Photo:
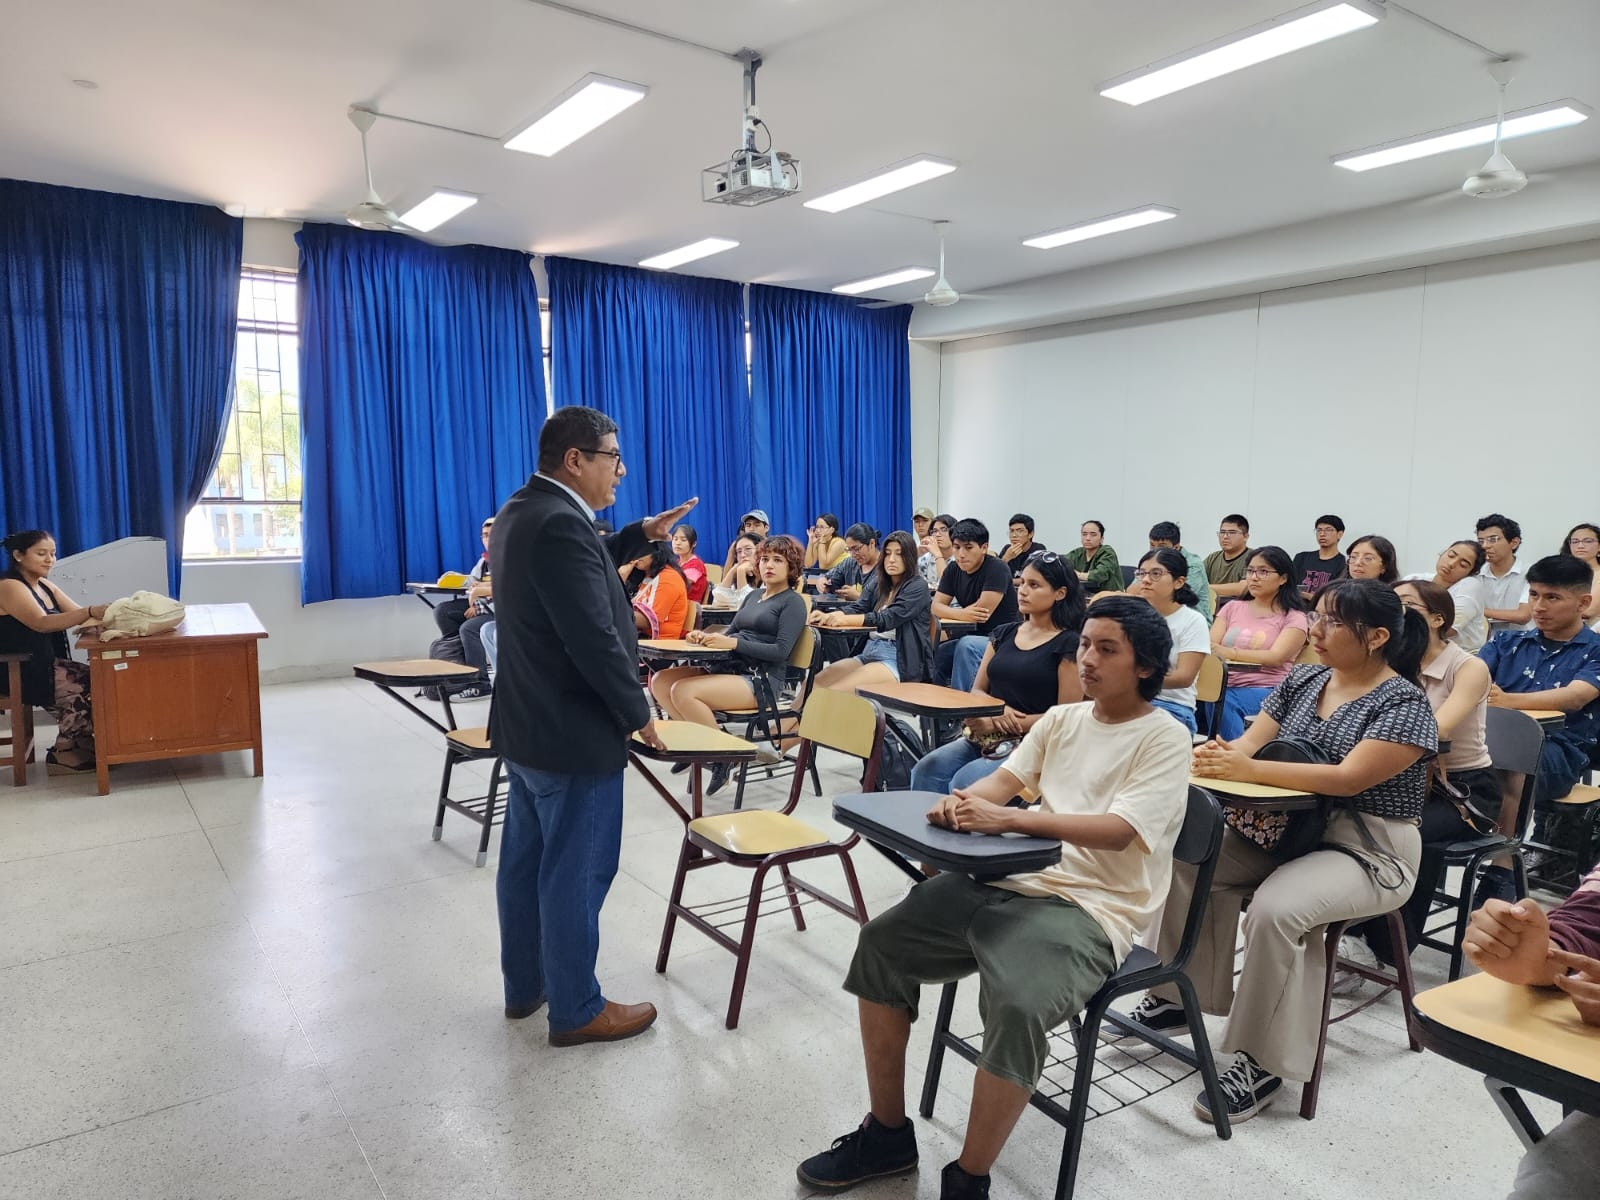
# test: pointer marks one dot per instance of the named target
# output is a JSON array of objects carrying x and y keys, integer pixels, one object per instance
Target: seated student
[
  {"x": 1365, "y": 710},
  {"x": 1464, "y": 801},
  {"x": 450, "y": 614},
  {"x": 755, "y": 521},
  {"x": 34, "y": 618},
  {"x": 1165, "y": 535},
  {"x": 1372, "y": 557},
  {"x": 1225, "y": 568},
  {"x": 1113, "y": 778},
  {"x": 921, "y": 522},
  {"x": 1020, "y": 545},
  {"x": 740, "y": 579},
  {"x": 937, "y": 550},
  {"x": 1505, "y": 588},
  {"x": 1031, "y": 666},
  {"x": 1519, "y": 943},
  {"x": 894, "y": 604},
  {"x": 761, "y": 635},
  {"x": 684, "y": 541},
  {"x": 1162, "y": 579},
  {"x": 1317, "y": 568},
  {"x": 976, "y": 587},
  {"x": 1258, "y": 637},
  {"x": 824, "y": 546},
  {"x": 858, "y": 564},
  {"x": 1094, "y": 561},
  {"x": 1457, "y": 571},
  {"x": 1556, "y": 664},
  {"x": 661, "y": 605},
  {"x": 1583, "y": 543}
]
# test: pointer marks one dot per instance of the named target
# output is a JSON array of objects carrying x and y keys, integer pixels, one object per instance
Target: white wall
[
  {"x": 1409, "y": 403},
  {"x": 318, "y": 639}
]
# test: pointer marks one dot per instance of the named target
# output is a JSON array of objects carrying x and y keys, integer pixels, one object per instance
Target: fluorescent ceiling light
[
  {"x": 1556, "y": 115},
  {"x": 891, "y": 179},
  {"x": 683, "y": 254},
  {"x": 1282, "y": 35},
  {"x": 879, "y": 282},
  {"x": 436, "y": 210},
  {"x": 1101, "y": 226},
  {"x": 586, "y": 106}
]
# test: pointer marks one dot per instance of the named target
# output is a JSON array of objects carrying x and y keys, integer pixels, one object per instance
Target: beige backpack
[{"x": 140, "y": 615}]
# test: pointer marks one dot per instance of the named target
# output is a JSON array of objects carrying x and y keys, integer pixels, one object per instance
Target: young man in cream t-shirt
[{"x": 1113, "y": 778}]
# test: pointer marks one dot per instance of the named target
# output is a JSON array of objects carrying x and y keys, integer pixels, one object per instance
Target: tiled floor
[{"x": 213, "y": 986}]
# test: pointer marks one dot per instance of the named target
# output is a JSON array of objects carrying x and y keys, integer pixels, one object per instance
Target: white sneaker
[
  {"x": 1346, "y": 982},
  {"x": 766, "y": 756}
]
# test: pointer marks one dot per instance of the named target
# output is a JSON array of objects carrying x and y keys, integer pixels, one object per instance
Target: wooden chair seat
[
  {"x": 1581, "y": 795},
  {"x": 755, "y": 833},
  {"x": 473, "y": 741}
]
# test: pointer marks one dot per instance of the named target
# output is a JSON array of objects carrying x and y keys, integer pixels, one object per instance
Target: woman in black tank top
[{"x": 34, "y": 618}]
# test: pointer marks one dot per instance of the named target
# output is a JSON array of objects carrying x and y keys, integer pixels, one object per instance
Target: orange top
[{"x": 667, "y": 596}]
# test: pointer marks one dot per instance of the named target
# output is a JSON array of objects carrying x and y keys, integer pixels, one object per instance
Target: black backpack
[
  {"x": 894, "y": 766},
  {"x": 445, "y": 649}
]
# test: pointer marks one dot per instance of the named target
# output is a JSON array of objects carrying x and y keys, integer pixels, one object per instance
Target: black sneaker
[
  {"x": 473, "y": 691},
  {"x": 1496, "y": 883},
  {"x": 864, "y": 1153},
  {"x": 956, "y": 1184},
  {"x": 1158, "y": 1015},
  {"x": 719, "y": 778},
  {"x": 680, "y": 768},
  {"x": 1247, "y": 1088}
]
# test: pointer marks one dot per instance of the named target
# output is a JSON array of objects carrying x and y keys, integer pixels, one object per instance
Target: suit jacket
[{"x": 566, "y": 694}]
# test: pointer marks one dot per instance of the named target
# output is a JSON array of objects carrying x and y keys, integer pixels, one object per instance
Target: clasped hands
[
  {"x": 711, "y": 641},
  {"x": 965, "y": 812},
  {"x": 1218, "y": 759},
  {"x": 1010, "y": 721},
  {"x": 1512, "y": 942}
]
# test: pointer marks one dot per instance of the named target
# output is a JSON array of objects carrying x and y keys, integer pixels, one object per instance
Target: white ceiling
[{"x": 242, "y": 104}]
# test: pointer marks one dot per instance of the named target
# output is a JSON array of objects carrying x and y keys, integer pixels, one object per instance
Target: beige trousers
[{"x": 1275, "y": 1011}]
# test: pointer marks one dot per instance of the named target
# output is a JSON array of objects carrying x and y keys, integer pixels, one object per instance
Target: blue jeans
[
  {"x": 968, "y": 658},
  {"x": 1239, "y": 703},
  {"x": 1561, "y": 765},
  {"x": 491, "y": 645},
  {"x": 883, "y": 651},
  {"x": 1184, "y": 714},
  {"x": 558, "y": 855},
  {"x": 954, "y": 764}
]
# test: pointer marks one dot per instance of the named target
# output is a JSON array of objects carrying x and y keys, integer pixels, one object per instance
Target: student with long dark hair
[
  {"x": 661, "y": 605},
  {"x": 1258, "y": 636},
  {"x": 34, "y": 618},
  {"x": 1457, "y": 571},
  {"x": 894, "y": 605},
  {"x": 1372, "y": 557},
  {"x": 1162, "y": 579},
  {"x": 1363, "y": 708},
  {"x": 1583, "y": 543},
  {"x": 684, "y": 541},
  {"x": 1031, "y": 665}
]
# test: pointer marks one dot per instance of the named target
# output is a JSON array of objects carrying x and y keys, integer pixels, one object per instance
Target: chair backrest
[
  {"x": 694, "y": 615},
  {"x": 1127, "y": 575},
  {"x": 1516, "y": 743},
  {"x": 1212, "y": 681},
  {"x": 805, "y": 649},
  {"x": 1199, "y": 842},
  {"x": 713, "y": 574},
  {"x": 840, "y": 721}
]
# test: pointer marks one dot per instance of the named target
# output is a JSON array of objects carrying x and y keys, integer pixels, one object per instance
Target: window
[{"x": 258, "y": 472}]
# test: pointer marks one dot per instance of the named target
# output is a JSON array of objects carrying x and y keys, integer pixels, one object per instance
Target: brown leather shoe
[{"x": 614, "y": 1023}]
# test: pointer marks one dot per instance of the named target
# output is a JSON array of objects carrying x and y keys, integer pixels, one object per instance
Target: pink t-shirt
[{"x": 1250, "y": 632}]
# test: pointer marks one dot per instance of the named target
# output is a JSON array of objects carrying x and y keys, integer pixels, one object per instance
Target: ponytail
[
  {"x": 1366, "y": 604},
  {"x": 1406, "y": 646}
]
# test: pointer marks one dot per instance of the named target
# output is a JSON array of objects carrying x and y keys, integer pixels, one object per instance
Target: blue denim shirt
[{"x": 1524, "y": 660}]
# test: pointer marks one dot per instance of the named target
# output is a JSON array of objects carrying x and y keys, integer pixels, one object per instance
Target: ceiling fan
[
  {"x": 1497, "y": 177},
  {"x": 372, "y": 213}
]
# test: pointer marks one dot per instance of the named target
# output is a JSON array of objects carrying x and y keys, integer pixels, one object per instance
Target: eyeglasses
[
  {"x": 1329, "y": 623},
  {"x": 1230, "y": 533},
  {"x": 614, "y": 455},
  {"x": 1151, "y": 575},
  {"x": 1326, "y": 529},
  {"x": 1582, "y": 541},
  {"x": 1044, "y": 556},
  {"x": 1259, "y": 572},
  {"x": 1492, "y": 539}
]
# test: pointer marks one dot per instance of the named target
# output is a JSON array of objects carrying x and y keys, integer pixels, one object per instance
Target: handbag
[
  {"x": 993, "y": 746},
  {"x": 1285, "y": 835}
]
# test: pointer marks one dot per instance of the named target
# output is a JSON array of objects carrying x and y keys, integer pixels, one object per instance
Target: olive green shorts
[{"x": 1038, "y": 961}]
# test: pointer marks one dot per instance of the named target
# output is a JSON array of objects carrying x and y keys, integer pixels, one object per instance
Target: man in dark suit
[{"x": 566, "y": 698}]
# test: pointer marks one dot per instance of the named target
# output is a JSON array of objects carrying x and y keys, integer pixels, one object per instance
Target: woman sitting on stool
[
  {"x": 895, "y": 605},
  {"x": 34, "y": 618},
  {"x": 1364, "y": 710},
  {"x": 761, "y": 637},
  {"x": 1031, "y": 666}
]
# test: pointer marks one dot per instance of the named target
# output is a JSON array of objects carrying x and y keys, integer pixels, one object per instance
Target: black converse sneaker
[
  {"x": 956, "y": 1184},
  {"x": 864, "y": 1153},
  {"x": 1158, "y": 1015},
  {"x": 1247, "y": 1088}
]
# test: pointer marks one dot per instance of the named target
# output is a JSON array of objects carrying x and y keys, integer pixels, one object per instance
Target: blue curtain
[
  {"x": 421, "y": 394},
  {"x": 831, "y": 386},
  {"x": 117, "y": 328},
  {"x": 663, "y": 356}
]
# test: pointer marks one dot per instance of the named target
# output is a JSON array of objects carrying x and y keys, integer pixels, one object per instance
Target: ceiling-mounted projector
[{"x": 750, "y": 176}]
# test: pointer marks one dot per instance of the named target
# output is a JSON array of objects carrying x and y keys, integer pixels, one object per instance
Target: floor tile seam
[
  {"x": 152, "y": 837},
  {"x": 134, "y": 941},
  {"x": 131, "y": 1117},
  {"x": 316, "y": 1058}
]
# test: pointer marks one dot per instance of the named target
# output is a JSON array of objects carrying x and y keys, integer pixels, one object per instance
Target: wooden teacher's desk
[{"x": 194, "y": 690}]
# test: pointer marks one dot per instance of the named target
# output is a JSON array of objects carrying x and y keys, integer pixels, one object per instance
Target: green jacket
[{"x": 1103, "y": 570}]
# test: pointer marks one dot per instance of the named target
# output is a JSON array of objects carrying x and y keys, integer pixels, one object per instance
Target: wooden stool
[{"x": 18, "y": 738}]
